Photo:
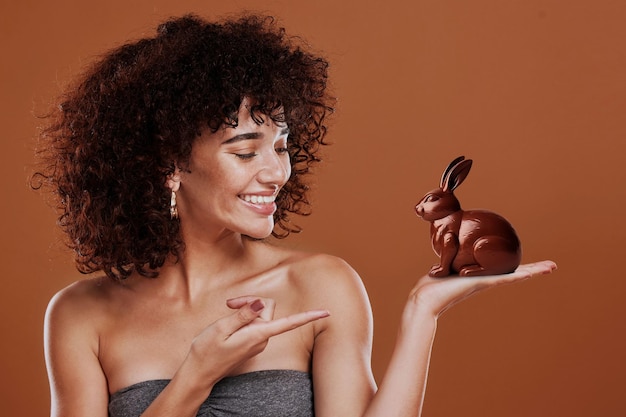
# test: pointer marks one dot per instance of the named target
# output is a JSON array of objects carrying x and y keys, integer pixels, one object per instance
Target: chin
[{"x": 259, "y": 234}]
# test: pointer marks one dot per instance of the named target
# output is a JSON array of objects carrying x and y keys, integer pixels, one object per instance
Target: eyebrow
[{"x": 250, "y": 136}]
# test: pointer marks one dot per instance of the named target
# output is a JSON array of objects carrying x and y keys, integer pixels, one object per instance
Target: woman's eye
[
  {"x": 282, "y": 151},
  {"x": 245, "y": 156}
]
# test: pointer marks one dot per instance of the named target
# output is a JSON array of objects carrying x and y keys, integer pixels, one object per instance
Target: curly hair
[{"x": 123, "y": 128}]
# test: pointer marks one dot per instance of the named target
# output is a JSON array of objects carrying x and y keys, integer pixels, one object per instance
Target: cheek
[{"x": 218, "y": 172}]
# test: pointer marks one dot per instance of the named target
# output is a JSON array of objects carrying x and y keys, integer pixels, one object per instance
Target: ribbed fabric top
[{"x": 271, "y": 393}]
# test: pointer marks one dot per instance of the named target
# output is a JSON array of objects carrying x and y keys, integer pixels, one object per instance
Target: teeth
[{"x": 258, "y": 199}]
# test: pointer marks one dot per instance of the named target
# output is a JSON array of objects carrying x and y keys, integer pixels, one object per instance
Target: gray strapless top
[{"x": 271, "y": 393}]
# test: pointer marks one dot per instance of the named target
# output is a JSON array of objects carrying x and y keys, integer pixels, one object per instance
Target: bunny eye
[{"x": 431, "y": 198}]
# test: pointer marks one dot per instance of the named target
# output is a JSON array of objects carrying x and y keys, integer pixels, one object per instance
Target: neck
[
  {"x": 206, "y": 264},
  {"x": 453, "y": 217}
]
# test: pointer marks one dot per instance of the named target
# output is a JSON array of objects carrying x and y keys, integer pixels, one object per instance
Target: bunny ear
[
  {"x": 446, "y": 172},
  {"x": 457, "y": 175}
]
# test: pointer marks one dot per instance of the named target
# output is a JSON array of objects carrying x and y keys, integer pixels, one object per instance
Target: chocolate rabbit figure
[{"x": 472, "y": 242}]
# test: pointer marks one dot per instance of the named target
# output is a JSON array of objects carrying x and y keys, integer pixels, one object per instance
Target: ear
[
  {"x": 446, "y": 172},
  {"x": 457, "y": 175},
  {"x": 173, "y": 180}
]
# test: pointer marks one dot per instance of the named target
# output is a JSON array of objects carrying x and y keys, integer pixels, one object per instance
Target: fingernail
[{"x": 257, "y": 306}]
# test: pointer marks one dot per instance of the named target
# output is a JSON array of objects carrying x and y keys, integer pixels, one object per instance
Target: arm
[
  {"x": 342, "y": 377},
  {"x": 78, "y": 387},
  {"x": 402, "y": 389}
]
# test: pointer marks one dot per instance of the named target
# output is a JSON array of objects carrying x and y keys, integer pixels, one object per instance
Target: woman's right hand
[
  {"x": 220, "y": 348},
  {"x": 233, "y": 339}
]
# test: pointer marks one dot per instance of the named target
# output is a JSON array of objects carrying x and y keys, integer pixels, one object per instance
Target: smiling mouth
[{"x": 258, "y": 199}]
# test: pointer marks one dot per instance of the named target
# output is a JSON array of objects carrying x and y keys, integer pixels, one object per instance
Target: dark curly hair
[{"x": 118, "y": 133}]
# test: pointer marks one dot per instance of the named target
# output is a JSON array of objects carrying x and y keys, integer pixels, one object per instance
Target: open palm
[{"x": 438, "y": 294}]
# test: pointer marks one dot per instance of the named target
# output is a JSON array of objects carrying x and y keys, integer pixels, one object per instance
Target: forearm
[{"x": 401, "y": 392}]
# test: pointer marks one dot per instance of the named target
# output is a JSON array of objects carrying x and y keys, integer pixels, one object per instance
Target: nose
[{"x": 276, "y": 170}]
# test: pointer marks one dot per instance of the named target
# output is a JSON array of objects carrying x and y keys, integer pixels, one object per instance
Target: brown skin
[
  {"x": 114, "y": 351},
  {"x": 102, "y": 335},
  {"x": 233, "y": 305},
  {"x": 119, "y": 130},
  {"x": 341, "y": 343}
]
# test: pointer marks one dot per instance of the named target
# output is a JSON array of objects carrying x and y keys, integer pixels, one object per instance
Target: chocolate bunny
[{"x": 468, "y": 242}]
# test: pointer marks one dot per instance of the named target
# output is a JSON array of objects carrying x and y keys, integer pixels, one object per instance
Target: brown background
[{"x": 533, "y": 90}]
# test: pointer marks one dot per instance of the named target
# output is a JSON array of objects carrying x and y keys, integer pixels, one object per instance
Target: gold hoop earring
[{"x": 173, "y": 207}]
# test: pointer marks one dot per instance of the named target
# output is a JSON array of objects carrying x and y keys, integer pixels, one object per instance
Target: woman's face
[{"x": 234, "y": 176}]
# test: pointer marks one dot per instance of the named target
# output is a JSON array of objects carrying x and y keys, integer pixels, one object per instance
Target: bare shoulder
[
  {"x": 330, "y": 282},
  {"x": 326, "y": 271},
  {"x": 80, "y": 304},
  {"x": 343, "y": 341},
  {"x": 73, "y": 322},
  {"x": 84, "y": 292},
  {"x": 318, "y": 270}
]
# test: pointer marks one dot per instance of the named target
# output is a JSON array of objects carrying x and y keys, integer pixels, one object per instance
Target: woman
[{"x": 173, "y": 159}]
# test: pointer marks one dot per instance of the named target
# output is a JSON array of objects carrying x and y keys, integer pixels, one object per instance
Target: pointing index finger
[{"x": 285, "y": 324}]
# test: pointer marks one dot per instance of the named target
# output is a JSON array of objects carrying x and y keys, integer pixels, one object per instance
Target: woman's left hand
[{"x": 436, "y": 295}]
